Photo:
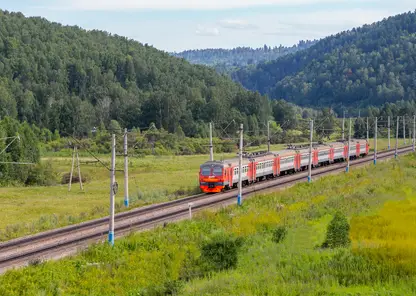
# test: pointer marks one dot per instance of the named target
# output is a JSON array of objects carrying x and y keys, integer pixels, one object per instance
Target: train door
[
  {"x": 254, "y": 170},
  {"x": 297, "y": 163},
  {"x": 275, "y": 166},
  {"x": 357, "y": 150},
  {"x": 230, "y": 176},
  {"x": 315, "y": 157},
  {"x": 331, "y": 154},
  {"x": 278, "y": 165},
  {"x": 345, "y": 151}
]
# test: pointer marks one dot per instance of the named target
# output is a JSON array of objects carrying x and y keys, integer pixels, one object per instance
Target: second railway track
[{"x": 68, "y": 240}]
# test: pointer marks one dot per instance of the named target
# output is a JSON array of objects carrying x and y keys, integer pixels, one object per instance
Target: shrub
[
  {"x": 220, "y": 253},
  {"x": 41, "y": 174},
  {"x": 75, "y": 178},
  {"x": 338, "y": 232},
  {"x": 279, "y": 234}
]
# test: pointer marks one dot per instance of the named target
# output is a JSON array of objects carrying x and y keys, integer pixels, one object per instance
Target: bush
[
  {"x": 279, "y": 234},
  {"x": 42, "y": 174},
  {"x": 338, "y": 232},
  {"x": 75, "y": 178},
  {"x": 220, "y": 253}
]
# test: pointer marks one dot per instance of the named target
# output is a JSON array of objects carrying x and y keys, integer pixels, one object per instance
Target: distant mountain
[
  {"x": 70, "y": 79},
  {"x": 240, "y": 56},
  {"x": 365, "y": 66}
]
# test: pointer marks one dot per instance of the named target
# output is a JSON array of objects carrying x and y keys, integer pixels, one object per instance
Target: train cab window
[
  {"x": 217, "y": 171},
  {"x": 206, "y": 171}
]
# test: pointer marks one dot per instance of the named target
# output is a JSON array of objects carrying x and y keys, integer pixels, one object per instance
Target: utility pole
[
  {"x": 343, "y": 126},
  {"x": 368, "y": 133},
  {"x": 397, "y": 137},
  {"x": 112, "y": 189},
  {"x": 268, "y": 136},
  {"x": 75, "y": 156},
  {"x": 211, "y": 147},
  {"x": 79, "y": 170},
  {"x": 240, "y": 164},
  {"x": 72, "y": 170},
  {"x": 349, "y": 156},
  {"x": 310, "y": 152},
  {"x": 126, "y": 170},
  {"x": 404, "y": 129},
  {"x": 388, "y": 132},
  {"x": 414, "y": 132},
  {"x": 375, "y": 142}
]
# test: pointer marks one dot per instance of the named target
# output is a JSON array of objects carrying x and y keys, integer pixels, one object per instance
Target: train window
[
  {"x": 217, "y": 171},
  {"x": 288, "y": 160},
  {"x": 206, "y": 171}
]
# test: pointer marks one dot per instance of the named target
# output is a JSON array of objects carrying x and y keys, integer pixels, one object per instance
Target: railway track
[{"x": 68, "y": 240}]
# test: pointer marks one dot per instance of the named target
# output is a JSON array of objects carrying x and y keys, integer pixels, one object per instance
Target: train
[{"x": 218, "y": 176}]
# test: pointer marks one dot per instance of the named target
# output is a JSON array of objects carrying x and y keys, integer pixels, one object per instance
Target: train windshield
[
  {"x": 217, "y": 171},
  {"x": 206, "y": 170}
]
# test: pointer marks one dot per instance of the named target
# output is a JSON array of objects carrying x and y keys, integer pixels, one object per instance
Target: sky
[{"x": 176, "y": 25}]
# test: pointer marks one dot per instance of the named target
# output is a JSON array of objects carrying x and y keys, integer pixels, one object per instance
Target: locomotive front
[{"x": 211, "y": 177}]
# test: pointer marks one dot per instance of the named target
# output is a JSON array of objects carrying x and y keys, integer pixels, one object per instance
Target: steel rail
[{"x": 159, "y": 213}]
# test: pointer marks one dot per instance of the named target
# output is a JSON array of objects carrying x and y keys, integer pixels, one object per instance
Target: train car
[{"x": 217, "y": 176}]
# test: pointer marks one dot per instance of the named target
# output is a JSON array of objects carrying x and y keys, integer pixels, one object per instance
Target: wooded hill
[
  {"x": 226, "y": 59},
  {"x": 370, "y": 65},
  {"x": 70, "y": 79}
]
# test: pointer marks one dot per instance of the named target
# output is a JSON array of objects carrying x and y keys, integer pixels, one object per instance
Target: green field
[
  {"x": 380, "y": 203},
  {"x": 27, "y": 210}
]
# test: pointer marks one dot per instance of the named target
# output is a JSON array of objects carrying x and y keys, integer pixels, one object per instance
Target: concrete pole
[
  {"x": 388, "y": 132},
  {"x": 211, "y": 147},
  {"x": 343, "y": 126},
  {"x": 349, "y": 153},
  {"x": 112, "y": 189},
  {"x": 404, "y": 129},
  {"x": 126, "y": 170},
  {"x": 375, "y": 142},
  {"x": 240, "y": 165},
  {"x": 268, "y": 136},
  {"x": 397, "y": 137},
  {"x": 414, "y": 132},
  {"x": 368, "y": 133},
  {"x": 310, "y": 152}
]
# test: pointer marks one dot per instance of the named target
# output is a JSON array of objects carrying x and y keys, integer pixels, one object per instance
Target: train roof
[{"x": 291, "y": 150}]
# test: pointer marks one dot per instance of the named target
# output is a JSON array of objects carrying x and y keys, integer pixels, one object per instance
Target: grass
[
  {"x": 27, "y": 210},
  {"x": 379, "y": 202}
]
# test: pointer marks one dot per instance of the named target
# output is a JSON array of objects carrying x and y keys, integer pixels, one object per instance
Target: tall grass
[{"x": 378, "y": 200}]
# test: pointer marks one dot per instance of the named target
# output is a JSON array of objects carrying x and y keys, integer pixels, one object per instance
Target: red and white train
[{"x": 217, "y": 176}]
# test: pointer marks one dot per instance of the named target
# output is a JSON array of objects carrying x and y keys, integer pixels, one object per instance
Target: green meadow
[
  {"x": 27, "y": 210},
  {"x": 244, "y": 251}
]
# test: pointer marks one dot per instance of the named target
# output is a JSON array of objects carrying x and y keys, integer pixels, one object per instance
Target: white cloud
[
  {"x": 237, "y": 24},
  {"x": 319, "y": 23},
  {"x": 207, "y": 31},
  {"x": 180, "y": 4}
]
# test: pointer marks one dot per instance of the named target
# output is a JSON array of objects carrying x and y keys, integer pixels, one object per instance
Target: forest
[
  {"x": 224, "y": 60},
  {"x": 367, "y": 66},
  {"x": 69, "y": 79}
]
